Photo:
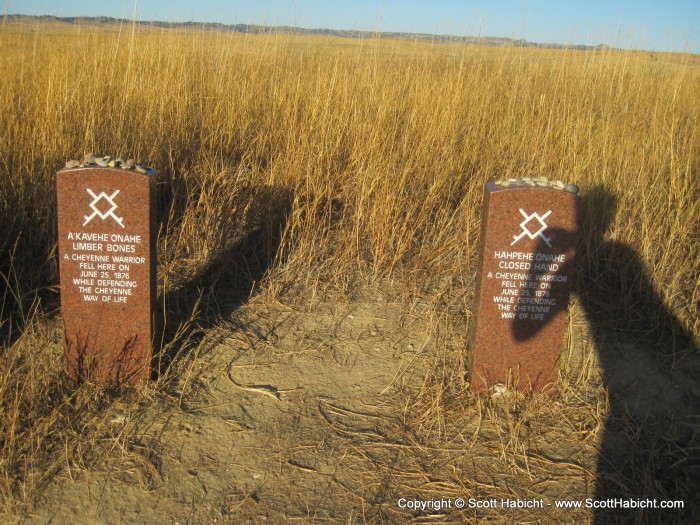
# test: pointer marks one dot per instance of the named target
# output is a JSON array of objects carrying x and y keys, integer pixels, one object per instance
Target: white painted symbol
[
  {"x": 526, "y": 230},
  {"x": 109, "y": 212}
]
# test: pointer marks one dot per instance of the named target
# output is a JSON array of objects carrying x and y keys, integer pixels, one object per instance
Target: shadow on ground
[
  {"x": 650, "y": 448},
  {"x": 228, "y": 279}
]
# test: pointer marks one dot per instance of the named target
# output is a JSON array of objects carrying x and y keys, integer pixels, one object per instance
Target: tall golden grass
[{"x": 383, "y": 146}]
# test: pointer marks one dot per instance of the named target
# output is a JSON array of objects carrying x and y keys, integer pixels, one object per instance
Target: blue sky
[{"x": 672, "y": 25}]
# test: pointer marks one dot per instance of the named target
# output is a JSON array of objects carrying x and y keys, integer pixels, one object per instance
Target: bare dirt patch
[
  {"x": 345, "y": 412},
  {"x": 265, "y": 435}
]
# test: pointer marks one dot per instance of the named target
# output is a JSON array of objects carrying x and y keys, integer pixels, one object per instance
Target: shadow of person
[
  {"x": 557, "y": 295},
  {"x": 650, "y": 446},
  {"x": 226, "y": 281}
]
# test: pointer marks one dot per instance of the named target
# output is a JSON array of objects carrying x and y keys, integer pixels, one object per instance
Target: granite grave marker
[
  {"x": 524, "y": 278},
  {"x": 106, "y": 243}
]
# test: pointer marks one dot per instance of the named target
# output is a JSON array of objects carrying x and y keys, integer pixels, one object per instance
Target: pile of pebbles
[
  {"x": 91, "y": 160},
  {"x": 541, "y": 182}
]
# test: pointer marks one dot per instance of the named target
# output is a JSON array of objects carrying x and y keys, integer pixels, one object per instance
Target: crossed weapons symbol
[
  {"x": 526, "y": 230},
  {"x": 109, "y": 213}
]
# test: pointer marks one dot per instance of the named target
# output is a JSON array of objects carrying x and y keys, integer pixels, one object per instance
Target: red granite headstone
[
  {"x": 524, "y": 279},
  {"x": 106, "y": 243}
]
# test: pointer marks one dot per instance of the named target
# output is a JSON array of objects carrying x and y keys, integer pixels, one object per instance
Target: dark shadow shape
[
  {"x": 28, "y": 256},
  {"x": 524, "y": 329},
  {"x": 26, "y": 286},
  {"x": 231, "y": 276},
  {"x": 650, "y": 447},
  {"x": 119, "y": 367}
]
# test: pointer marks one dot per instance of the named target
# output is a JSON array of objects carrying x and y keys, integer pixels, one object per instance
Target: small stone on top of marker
[
  {"x": 542, "y": 182},
  {"x": 91, "y": 160}
]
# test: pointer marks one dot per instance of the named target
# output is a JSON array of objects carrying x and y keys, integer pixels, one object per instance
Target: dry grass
[{"x": 374, "y": 152}]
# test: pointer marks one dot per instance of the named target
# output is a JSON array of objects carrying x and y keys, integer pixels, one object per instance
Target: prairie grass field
[{"x": 300, "y": 176}]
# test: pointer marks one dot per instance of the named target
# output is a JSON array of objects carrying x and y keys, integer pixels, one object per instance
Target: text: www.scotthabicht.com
[{"x": 504, "y": 503}]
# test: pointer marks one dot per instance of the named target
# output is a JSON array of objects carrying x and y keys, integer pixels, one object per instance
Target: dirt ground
[
  {"x": 332, "y": 413},
  {"x": 260, "y": 439}
]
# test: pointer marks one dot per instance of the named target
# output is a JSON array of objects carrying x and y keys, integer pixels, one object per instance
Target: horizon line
[{"x": 491, "y": 40}]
